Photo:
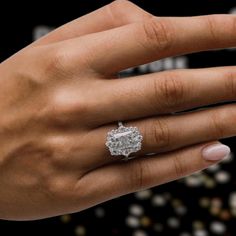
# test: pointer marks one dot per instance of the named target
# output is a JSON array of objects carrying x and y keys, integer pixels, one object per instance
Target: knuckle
[
  {"x": 58, "y": 187},
  {"x": 64, "y": 104},
  {"x": 230, "y": 82},
  {"x": 120, "y": 5},
  {"x": 30, "y": 83},
  {"x": 117, "y": 9},
  {"x": 28, "y": 76},
  {"x": 160, "y": 133},
  {"x": 123, "y": 12},
  {"x": 179, "y": 167},
  {"x": 212, "y": 25},
  {"x": 157, "y": 33},
  {"x": 61, "y": 150},
  {"x": 57, "y": 63},
  {"x": 136, "y": 175},
  {"x": 61, "y": 112},
  {"x": 171, "y": 91},
  {"x": 217, "y": 121}
]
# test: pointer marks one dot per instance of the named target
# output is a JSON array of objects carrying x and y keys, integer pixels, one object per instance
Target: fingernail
[{"x": 215, "y": 152}]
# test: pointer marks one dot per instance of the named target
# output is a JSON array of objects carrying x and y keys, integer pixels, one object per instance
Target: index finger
[{"x": 115, "y": 14}]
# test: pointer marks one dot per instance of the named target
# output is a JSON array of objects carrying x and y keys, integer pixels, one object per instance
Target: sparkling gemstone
[{"x": 124, "y": 141}]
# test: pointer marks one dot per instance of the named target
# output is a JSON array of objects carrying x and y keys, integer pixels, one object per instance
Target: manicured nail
[{"x": 215, "y": 152}]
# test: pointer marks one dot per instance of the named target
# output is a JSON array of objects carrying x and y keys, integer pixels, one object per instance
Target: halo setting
[{"x": 124, "y": 140}]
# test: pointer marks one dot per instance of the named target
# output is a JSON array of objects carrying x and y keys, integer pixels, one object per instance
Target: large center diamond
[{"x": 124, "y": 141}]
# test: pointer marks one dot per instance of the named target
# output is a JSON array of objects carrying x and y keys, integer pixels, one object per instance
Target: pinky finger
[{"x": 134, "y": 175}]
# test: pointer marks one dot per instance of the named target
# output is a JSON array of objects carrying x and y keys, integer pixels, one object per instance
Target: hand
[{"x": 60, "y": 96}]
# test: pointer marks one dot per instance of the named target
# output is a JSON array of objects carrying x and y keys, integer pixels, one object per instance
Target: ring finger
[{"x": 171, "y": 132}]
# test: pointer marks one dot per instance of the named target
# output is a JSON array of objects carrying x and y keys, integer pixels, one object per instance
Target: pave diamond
[{"x": 124, "y": 140}]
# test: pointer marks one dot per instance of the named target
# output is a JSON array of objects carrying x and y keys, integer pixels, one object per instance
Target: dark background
[{"x": 199, "y": 205}]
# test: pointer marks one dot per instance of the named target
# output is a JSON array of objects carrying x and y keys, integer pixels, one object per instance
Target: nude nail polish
[{"x": 215, "y": 152}]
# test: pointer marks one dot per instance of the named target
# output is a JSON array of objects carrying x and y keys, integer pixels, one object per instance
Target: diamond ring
[{"x": 124, "y": 141}]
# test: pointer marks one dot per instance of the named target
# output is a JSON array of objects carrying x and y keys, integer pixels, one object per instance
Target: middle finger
[{"x": 161, "y": 93}]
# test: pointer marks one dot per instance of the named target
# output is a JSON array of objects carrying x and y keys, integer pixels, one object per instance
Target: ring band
[{"x": 124, "y": 141}]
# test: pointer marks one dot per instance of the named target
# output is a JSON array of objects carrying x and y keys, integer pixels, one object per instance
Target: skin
[{"x": 60, "y": 96}]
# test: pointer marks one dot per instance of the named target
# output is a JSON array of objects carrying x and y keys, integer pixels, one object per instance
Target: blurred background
[{"x": 203, "y": 204}]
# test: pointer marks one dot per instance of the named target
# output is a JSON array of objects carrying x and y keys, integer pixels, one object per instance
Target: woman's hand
[{"x": 60, "y": 96}]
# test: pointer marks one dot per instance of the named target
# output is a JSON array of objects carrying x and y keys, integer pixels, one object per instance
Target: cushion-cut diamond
[{"x": 124, "y": 141}]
